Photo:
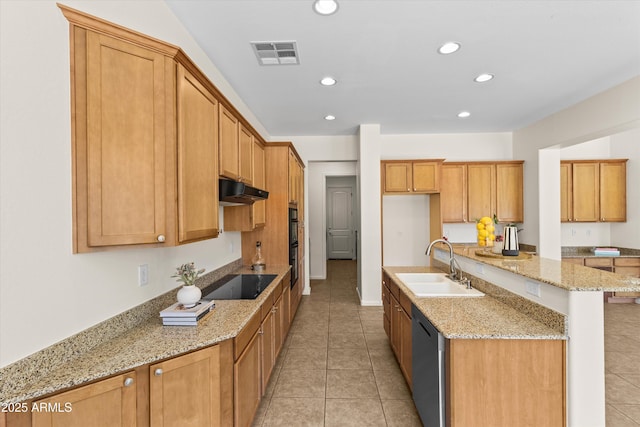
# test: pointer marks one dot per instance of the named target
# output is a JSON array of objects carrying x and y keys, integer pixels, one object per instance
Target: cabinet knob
[
  {"x": 128, "y": 382},
  {"x": 414, "y": 189},
  {"x": 261, "y": 331},
  {"x": 157, "y": 372},
  {"x": 570, "y": 219},
  {"x": 602, "y": 219},
  {"x": 161, "y": 238},
  {"x": 408, "y": 189}
]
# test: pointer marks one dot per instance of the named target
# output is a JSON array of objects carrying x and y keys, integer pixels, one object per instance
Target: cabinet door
[
  {"x": 110, "y": 402},
  {"x": 613, "y": 191},
  {"x": 426, "y": 177},
  {"x": 125, "y": 170},
  {"x": 286, "y": 309},
  {"x": 585, "y": 197},
  {"x": 259, "y": 181},
  {"x": 566, "y": 200},
  {"x": 405, "y": 346},
  {"x": 277, "y": 325},
  {"x": 481, "y": 190},
  {"x": 197, "y": 160},
  {"x": 395, "y": 326},
  {"x": 397, "y": 177},
  {"x": 247, "y": 390},
  {"x": 509, "y": 187},
  {"x": 245, "y": 155},
  {"x": 453, "y": 193},
  {"x": 228, "y": 144},
  {"x": 267, "y": 351},
  {"x": 185, "y": 391}
]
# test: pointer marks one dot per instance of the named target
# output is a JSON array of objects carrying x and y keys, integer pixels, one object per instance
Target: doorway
[{"x": 341, "y": 230}]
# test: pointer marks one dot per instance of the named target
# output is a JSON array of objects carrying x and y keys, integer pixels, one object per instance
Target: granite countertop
[
  {"x": 146, "y": 343},
  {"x": 563, "y": 275},
  {"x": 474, "y": 317},
  {"x": 587, "y": 252}
]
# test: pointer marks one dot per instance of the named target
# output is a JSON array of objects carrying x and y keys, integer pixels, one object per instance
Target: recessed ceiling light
[
  {"x": 464, "y": 114},
  {"x": 328, "y": 81},
  {"x": 449, "y": 47},
  {"x": 485, "y": 77},
  {"x": 329, "y": 117},
  {"x": 325, "y": 7}
]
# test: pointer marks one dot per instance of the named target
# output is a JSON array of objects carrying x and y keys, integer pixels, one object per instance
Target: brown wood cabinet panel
[
  {"x": 245, "y": 155},
  {"x": 197, "y": 160},
  {"x": 627, "y": 271},
  {"x": 397, "y": 177},
  {"x": 613, "y": 193},
  {"x": 598, "y": 262},
  {"x": 585, "y": 196},
  {"x": 110, "y": 402},
  {"x": 426, "y": 176},
  {"x": 481, "y": 190},
  {"x": 566, "y": 200},
  {"x": 396, "y": 332},
  {"x": 453, "y": 192},
  {"x": 627, "y": 262},
  {"x": 248, "y": 385},
  {"x": 505, "y": 383},
  {"x": 578, "y": 261},
  {"x": 186, "y": 390},
  {"x": 125, "y": 141},
  {"x": 286, "y": 309},
  {"x": 228, "y": 144},
  {"x": 405, "y": 347},
  {"x": 509, "y": 197},
  {"x": 267, "y": 351},
  {"x": 246, "y": 335}
]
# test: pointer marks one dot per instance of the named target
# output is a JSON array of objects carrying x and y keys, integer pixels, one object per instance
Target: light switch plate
[
  {"x": 143, "y": 274},
  {"x": 532, "y": 288}
]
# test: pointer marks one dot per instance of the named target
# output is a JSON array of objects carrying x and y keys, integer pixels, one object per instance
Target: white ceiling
[{"x": 546, "y": 55}]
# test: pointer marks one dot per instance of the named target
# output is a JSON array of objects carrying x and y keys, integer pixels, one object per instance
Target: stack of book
[
  {"x": 606, "y": 251},
  {"x": 178, "y": 315}
]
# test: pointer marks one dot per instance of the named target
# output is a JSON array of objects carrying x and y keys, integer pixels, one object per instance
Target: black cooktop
[{"x": 238, "y": 286}]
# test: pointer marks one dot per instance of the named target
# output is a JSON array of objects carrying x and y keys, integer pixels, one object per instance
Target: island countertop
[
  {"x": 563, "y": 275},
  {"x": 146, "y": 343},
  {"x": 474, "y": 317}
]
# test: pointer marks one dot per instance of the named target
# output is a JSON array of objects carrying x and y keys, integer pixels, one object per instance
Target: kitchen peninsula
[{"x": 566, "y": 296}]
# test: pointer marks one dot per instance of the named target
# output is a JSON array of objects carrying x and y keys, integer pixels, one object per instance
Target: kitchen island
[{"x": 567, "y": 298}]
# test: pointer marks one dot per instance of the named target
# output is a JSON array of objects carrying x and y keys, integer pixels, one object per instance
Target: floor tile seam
[
  {"x": 621, "y": 376},
  {"x": 622, "y": 414}
]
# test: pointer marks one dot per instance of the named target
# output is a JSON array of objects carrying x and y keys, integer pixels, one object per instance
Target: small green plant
[{"x": 188, "y": 274}]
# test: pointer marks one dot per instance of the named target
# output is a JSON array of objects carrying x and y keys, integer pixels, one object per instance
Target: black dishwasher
[{"x": 428, "y": 370}]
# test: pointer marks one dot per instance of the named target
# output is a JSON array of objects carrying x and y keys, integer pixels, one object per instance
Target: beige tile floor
[
  {"x": 622, "y": 364},
  {"x": 336, "y": 367}
]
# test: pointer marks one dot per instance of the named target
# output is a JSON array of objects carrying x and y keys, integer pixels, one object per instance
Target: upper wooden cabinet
[
  {"x": 411, "y": 176},
  {"x": 122, "y": 97},
  {"x": 197, "y": 160},
  {"x": 471, "y": 190},
  {"x": 149, "y": 134},
  {"x": 593, "y": 190},
  {"x": 236, "y": 148},
  {"x": 229, "y": 144}
]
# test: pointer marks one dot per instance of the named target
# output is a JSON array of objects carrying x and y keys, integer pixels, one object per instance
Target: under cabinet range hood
[{"x": 238, "y": 193}]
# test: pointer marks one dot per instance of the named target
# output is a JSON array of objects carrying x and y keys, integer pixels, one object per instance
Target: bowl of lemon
[{"x": 486, "y": 232}]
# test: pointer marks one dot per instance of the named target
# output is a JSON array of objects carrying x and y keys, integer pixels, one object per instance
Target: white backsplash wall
[
  {"x": 405, "y": 230},
  {"x": 585, "y": 234},
  {"x": 460, "y": 233}
]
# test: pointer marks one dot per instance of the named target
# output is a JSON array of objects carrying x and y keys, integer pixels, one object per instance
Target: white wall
[
  {"x": 626, "y": 145},
  {"x": 64, "y": 293},
  {"x": 608, "y": 113},
  {"x": 405, "y": 230}
]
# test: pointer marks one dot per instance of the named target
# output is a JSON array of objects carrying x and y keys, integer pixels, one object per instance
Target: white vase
[{"x": 188, "y": 296}]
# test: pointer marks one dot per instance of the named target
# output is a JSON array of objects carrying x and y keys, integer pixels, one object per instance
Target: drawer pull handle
[
  {"x": 128, "y": 382},
  {"x": 161, "y": 238},
  {"x": 157, "y": 372}
]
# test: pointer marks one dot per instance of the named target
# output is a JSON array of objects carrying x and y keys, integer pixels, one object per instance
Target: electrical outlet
[
  {"x": 143, "y": 274},
  {"x": 532, "y": 288},
  {"x": 479, "y": 268},
  {"x": 231, "y": 247}
]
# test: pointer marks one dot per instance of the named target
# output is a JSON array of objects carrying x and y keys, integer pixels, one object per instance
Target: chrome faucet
[{"x": 455, "y": 272}]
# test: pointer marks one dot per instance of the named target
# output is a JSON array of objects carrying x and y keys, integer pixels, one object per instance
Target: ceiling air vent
[{"x": 276, "y": 53}]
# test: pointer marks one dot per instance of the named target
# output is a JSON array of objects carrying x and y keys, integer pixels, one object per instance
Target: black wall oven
[{"x": 293, "y": 244}]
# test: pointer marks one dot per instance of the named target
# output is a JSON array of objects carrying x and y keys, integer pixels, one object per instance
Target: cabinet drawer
[
  {"x": 578, "y": 261},
  {"x": 627, "y": 262},
  {"x": 598, "y": 262},
  {"x": 393, "y": 288},
  {"x": 405, "y": 302},
  {"x": 628, "y": 271}
]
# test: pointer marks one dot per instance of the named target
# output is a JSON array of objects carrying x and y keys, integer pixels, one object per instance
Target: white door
[{"x": 340, "y": 235}]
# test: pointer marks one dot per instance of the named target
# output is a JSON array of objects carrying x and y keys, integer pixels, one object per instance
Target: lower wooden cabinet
[
  {"x": 505, "y": 383},
  {"x": 188, "y": 390},
  {"x": 248, "y": 387},
  {"x": 397, "y": 325},
  {"x": 110, "y": 402}
]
